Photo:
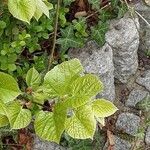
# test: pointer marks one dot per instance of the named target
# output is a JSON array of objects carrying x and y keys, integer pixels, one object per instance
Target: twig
[
  {"x": 129, "y": 8},
  {"x": 55, "y": 35},
  {"x": 97, "y": 11},
  {"x": 142, "y": 18}
]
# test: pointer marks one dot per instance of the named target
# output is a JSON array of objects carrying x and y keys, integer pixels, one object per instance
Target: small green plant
[{"x": 61, "y": 102}]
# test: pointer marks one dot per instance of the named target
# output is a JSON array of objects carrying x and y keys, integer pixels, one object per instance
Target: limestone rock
[
  {"x": 123, "y": 37},
  {"x": 144, "y": 80},
  {"x": 98, "y": 61},
  {"x": 147, "y": 136},
  {"x": 120, "y": 144},
  {"x": 128, "y": 123},
  {"x": 136, "y": 96},
  {"x": 45, "y": 145}
]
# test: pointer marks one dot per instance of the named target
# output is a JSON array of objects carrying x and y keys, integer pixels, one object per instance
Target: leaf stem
[{"x": 51, "y": 56}]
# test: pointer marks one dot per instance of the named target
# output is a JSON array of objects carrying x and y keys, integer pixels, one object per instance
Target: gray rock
[
  {"x": 147, "y": 136},
  {"x": 144, "y": 10},
  {"x": 145, "y": 40},
  {"x": 123, "y": 37},
  {"x": 144, "y": 80},
  {"x": 136, "y": 96},
  {"x": 120, "y": 144},
  {"x": 98, "y": 61},
  {"x": 45, "y": 145},
  {"x": 128, "y": 123}
]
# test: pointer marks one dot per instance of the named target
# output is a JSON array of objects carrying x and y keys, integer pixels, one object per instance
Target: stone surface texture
[
  {"x": 98, "y": 61},
  {"x": 147, "y": 136},
  {"x": 45, "y": 145},
  {"x": 136, "y": 95},
  {"x": 144, "y": 11},
  {"x": 123, "y": 37},
  {"x": 144, "y": 79},
  {"x": 120, "y": 144},
  {"x": 128, "y": 123}
]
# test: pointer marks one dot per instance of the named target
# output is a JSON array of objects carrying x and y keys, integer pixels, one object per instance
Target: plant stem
[{"x": 51, "y": 56}]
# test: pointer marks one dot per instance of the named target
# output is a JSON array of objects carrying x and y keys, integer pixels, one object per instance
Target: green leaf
[
  {"x": 101, "y": 121},
  {"x": 114, "y": 3},
  {"x": 18, "y": 116},
  {"x": 12, "y": 67},
  {"x": 33, "y": 78},
  {"x": 61, "y": 77},
  {"x": 87, "y": 85},
  {"x": 76, "y": 101},
  {"x": 67, "y": 2},
  {"x": 82, "y": 124},
  {"x": 82, "y": 89},
  {"x": 3, "y": 109},
  {"x": 105, "y": 15},
  {"x": 144, "y": 104},
  {"x": 40, "y": 96},
  {"x": 41, "y": 8},
  {"x": 95, "y": 3},
  {"x": 68, "y": 39},
  {"x": 38, "y": 14},
  {"x": 9, "y": 89},
  {"x": 103, "y": 108},
  {"x": 50, "y": 125},
  {"x": 98, "y": 33},
  {"x": 3, "y": 121},
  {"x": 62, "y": 16},
  {"x": 22, "y": 9},
  {"x": 2, "y": 25},
  {"x": 80, "y": 26}
]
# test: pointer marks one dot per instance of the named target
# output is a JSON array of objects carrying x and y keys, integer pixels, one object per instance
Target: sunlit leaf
[
  {"x": 18, "y": 116},
  {"x": 82, "y": 124},
  {"x": 9, "y": 89},
  {"x": 22, "y": 9},
  {"x": 103, "y": 108}
]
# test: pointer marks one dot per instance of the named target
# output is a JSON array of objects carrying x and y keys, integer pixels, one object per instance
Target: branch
[{"x": 55, "y": 35}]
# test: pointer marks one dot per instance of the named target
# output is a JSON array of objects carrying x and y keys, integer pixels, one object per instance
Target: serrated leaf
[
  {"x": 18, "y": 116},
  {"x": 41, "y": 8},
  {"x": 61, "y": 76},
  {"x": 22, "y": 9},
  {"x": 69, "y": 40},
  {"x": 80, "y": 26},
  {"x": 33, "y": 78},
  {"x": 76, "y": 101},
  {"x": 82, "y": 124},
  {"x": 9, "y": 89},
  {"x": 87, "y": 85},
  {"x": 50, "y": 125},
  {"x": 98, "y": 33},
  {"x": 103, "y": 108},
  {"x": 3, "y": 121},
  {"x": 82, "y": 89},
  {"x": 3, "y": 109},
  {"x": 38, "y": 14}
]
